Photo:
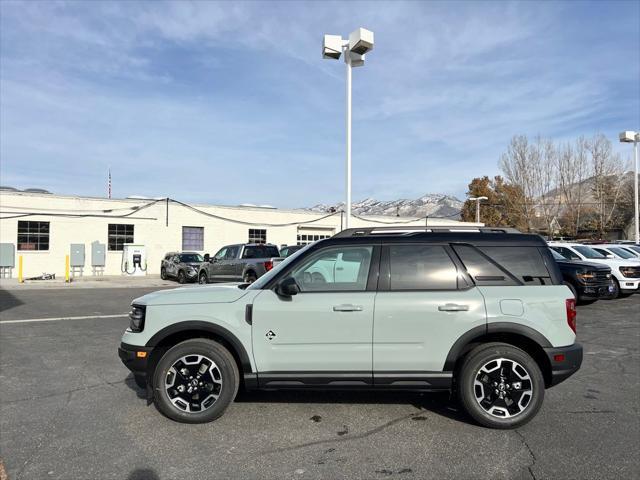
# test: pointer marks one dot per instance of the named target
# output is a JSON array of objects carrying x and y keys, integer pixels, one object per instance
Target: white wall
[{"x": 151, "y": 228}]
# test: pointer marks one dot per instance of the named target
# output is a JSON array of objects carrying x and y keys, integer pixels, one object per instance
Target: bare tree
[
  {"x": 518, "y": 168},
  {"x": 607, "y": 170},
  {"x": 544, "y": 159},
  {"x": 572, "y": 173}
]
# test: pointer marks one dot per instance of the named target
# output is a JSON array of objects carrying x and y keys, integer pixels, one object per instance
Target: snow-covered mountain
[{"x": 432, "y": 204}]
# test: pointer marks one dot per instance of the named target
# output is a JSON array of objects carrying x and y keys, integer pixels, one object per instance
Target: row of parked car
[
  {"x": 242, "y": 262},
  {"x": 602, "y": 270},
  {"x": 591, "y": 271}
]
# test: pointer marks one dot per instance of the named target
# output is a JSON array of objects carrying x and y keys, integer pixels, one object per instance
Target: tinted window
[
  {"x": 260, "y": 251},
  {"x": 335, "y": 269},
  {"x": 556, "y": 256},
  {"x": 621, "y": 252},
  {"x": 481, "y": 269},
  {"x": 421, "y": 267},
  {"x": 524, "y": 263}
]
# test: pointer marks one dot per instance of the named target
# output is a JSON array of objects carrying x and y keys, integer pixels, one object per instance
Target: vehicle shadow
[
  {"x": 143, "y": 474},
  {"x": 439, "y": 403}
]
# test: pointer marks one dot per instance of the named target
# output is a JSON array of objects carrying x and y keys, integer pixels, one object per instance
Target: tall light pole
[
  {"x": 478, "y": 200},
  {"x": 333, "y": 46},
  {"x": 634, "y": 137}
]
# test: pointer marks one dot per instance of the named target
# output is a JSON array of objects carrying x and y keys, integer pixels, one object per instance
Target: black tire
[
  {"x": 163, "y": 273},
  {"x": 141, "y": 381},
  {"x": 616, "y": 290},
  {"x": 202, "y": 278},
  {"x": 225, "y": 367},
  {"x": 249, "y": 277},
  {"x": 531, "y": 386},
  {"x": 182, "y": 278}
]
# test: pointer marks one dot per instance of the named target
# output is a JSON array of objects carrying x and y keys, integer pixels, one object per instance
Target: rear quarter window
[{"x": 524, "y": 263}]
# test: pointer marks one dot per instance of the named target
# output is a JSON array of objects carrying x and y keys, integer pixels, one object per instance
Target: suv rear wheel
[
  {"x": 500, "y": 386},
  {"x": 195, "y": 381}
]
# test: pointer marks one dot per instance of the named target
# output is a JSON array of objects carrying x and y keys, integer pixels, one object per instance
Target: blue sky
[{"x": 232, "y": 102}]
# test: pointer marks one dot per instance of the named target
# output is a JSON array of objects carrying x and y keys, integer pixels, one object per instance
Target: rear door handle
[
  {"x": 347, "y": 308},
  {"x": 453, "y": 307}
]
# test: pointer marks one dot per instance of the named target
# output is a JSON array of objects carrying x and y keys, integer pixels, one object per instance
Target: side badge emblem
[{"x": 270, "y": 335}]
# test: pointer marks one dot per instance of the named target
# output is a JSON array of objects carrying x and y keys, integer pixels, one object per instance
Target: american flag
[{"x": 109, "y": 183}]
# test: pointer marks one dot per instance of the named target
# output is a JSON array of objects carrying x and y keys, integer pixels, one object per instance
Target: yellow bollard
[
  {"x": 20, "y": 279},
  {"x": 66, "y": 269}
]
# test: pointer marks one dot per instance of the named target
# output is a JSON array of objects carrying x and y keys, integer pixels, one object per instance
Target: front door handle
[
  {"x": 347, "y": 308},
  {"x": 453, "y": 307}
]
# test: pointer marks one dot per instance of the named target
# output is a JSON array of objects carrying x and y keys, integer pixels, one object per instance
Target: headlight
[
  {"x": 136, "y": 318},
  {"x": 585, "y": 275},
  {"x": 630, "y": 272}
]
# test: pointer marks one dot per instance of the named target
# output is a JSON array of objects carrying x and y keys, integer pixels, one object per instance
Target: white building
[{"x": 41, "y": 227}]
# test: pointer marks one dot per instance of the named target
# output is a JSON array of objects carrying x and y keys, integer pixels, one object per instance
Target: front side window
[
  {"x": 33, "y": 235},
  {"x": 221, "y": 253},
  {"x": 421, "y": 267},
  {"x": 232, "y": 253},
  {"x": 118, "y": 235},
  {"x": 193, "y": 238},
  {"x": 257, "y": 235},
  {"x": 566, "y": 253},
  {"x": 335, "y": 269},
  {"x": 588, "y": 252}
]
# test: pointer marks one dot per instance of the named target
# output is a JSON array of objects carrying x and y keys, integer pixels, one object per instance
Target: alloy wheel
[
  {"x": 503, "y": 388},
  {"x": 193, "y": 383}
]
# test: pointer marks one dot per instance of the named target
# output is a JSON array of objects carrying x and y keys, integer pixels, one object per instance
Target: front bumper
[
  {"x": 629, "y": 284},
  {"x": 594, "y": 292},
  {"x": 131, "y": 356},
  {"x": 565, "y": 361}
]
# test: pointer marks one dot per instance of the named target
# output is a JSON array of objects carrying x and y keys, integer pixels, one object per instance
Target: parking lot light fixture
[
  {"x": 478, "y": 200},
  {"x": 354, "y": 48},
  {"x": 629, "y": 136}
]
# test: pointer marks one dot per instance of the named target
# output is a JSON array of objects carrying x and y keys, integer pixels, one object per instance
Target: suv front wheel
[
  {"x": 195, "y": 381},
  {"x": 500, "y": 386}
]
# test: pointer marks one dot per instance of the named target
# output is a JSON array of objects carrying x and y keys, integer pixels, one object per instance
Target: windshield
[
  {"x": 263, "y": 280},
  {"x": 191, "y": 258},
  {"x": 621, "y": 252},
  {"x": 556, "y": 256},
  {"x": 588, "y": 252}
]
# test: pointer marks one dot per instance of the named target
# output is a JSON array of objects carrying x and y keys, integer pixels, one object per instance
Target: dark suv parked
[
  {"x": 587, "y": 281},
  {"x": 181, "y": 266}
]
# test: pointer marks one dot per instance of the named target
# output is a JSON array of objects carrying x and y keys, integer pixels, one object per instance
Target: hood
[
  {"x": 613, "y": 262},
  {"x": 220, "y": 293},
  {"x": 583, "y": 263}
]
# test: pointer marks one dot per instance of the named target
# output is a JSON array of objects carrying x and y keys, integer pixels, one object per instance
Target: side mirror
[
  {"x": 288, "y": 287},
  {"x": 207, "y": 257}
]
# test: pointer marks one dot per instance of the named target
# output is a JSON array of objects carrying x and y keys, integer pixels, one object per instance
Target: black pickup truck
[{"x": 587, "y": 281}]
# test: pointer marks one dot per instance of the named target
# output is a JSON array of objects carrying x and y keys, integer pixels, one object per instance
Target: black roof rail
[{"x": 366, "y": 231}]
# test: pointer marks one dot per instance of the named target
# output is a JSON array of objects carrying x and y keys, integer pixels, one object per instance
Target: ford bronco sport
[{"x": 481, "y": 313}]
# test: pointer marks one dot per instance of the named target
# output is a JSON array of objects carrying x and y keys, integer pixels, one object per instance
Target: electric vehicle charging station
[{"x": 134, "y": 260}]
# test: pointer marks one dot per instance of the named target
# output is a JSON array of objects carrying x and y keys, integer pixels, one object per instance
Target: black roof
[{"x": 472, "y": 235}]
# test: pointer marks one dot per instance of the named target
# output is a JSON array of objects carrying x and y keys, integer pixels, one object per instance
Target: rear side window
[
  {"x": 421, "y": 267},
  {"x": 524, "y": 263},
  {"x": 481, "y": 268}
]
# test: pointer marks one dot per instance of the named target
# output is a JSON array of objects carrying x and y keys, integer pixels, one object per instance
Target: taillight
[
  {"x": 268, "y": 265},
  {"x": 571, "y": 313}
]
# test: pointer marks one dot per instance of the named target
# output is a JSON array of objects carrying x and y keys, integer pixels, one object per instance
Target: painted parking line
[{"x": 57, "y": 319}]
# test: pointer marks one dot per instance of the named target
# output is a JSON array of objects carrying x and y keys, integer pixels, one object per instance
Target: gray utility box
[
  {"x": 97, "y": 254},
  {"x": 76, "y": 258},
  {"x": 7, "y": 255}
]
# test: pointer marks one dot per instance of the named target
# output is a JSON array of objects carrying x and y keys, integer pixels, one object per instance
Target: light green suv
[{"x": 481, "y": 313}]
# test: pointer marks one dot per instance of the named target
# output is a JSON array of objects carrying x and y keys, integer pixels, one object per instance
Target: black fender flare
[
  {"x": 217, "y": 330},
  {"x": 492, "y": 329}
]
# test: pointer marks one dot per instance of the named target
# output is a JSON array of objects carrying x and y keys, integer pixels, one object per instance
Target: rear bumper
[
  {"x": 131, "y": 359},
  {"x": 565, "y": 361}
]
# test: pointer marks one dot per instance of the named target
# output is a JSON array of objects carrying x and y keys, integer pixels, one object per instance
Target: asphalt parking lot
[{"x": 70, "y": 410}]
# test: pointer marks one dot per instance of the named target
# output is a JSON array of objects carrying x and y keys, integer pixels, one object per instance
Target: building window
[
  {"x": 306, "y": 239},
  {"x": 119, "y": 234},
  {"x": 33, "y": 235},
  {"x": 193, "y": 238},
  {"x": 257, "y": 235}
]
